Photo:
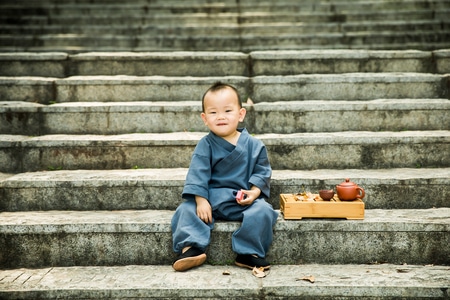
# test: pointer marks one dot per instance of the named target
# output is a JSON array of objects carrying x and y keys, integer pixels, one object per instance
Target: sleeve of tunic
[
  {"x": 262, "y": 172},
  {"x": 199, "y": 173}
]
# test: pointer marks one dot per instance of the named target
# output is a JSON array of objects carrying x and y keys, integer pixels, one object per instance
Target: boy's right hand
[{"x": 204, "y": 210}]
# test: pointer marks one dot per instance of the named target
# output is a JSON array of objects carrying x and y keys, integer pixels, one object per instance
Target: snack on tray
[{"x": 307, "y": 196}]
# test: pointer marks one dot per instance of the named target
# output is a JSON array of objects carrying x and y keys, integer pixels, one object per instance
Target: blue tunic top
[{"x": 219, "y": 169}]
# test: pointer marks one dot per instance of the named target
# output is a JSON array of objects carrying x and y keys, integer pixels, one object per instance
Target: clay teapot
[{"x": 348, "y": 190}]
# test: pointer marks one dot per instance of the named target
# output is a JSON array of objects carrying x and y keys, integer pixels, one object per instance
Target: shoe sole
[
  {"x": 249, "y": 267},
  {"x": 187, "y": 263}
]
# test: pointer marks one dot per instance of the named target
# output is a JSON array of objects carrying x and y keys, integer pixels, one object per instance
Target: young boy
[{"x": 225, "y": 162}]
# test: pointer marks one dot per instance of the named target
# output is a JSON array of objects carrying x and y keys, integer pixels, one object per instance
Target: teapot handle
[{"x": 361, "y": 193}]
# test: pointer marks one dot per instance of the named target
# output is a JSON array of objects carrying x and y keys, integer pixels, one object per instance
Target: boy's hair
[{"x": 217, "y": 87}]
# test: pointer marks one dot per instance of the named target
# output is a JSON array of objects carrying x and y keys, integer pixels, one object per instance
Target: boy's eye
[{"x": 228, "y": 110}]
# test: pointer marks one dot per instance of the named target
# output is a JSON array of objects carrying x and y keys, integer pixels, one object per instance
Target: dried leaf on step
[
  {"x": 258, "y": 272},
  {"x": 226, "y": 272},
  {"x": 307, "y": 278},
  {"x": 403, "y": 270}
]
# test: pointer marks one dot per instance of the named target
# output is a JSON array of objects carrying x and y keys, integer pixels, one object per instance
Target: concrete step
[
  {"x": 108, "y": 238},
  {"x": 228, "y": 29},
  {"x": 215, "y": 63},
  {"x": 192, "y": 29},
  {"x": 253, "y": 15},
  {"x": 422, "y": 40},
  {"x": 348, "y": 16},
  {"x": 160, "y": 189},
  {"x": 348, "y": 61},
  {"x": 426, "y": 41},
  {"x": 418, "y": 45},
  {"x": 118, "y": 8},
  {"x": 276, "y": 117},
  {"x": 342, "y": 15},
  {"x": 129, "y": 63},
  {"x": 376, "y": 281},
  {"x": 297, "y": 151},
  {"x": 123, "y": 9},
  {"x": 138, "y": 2},
  {"x": 251, "y": 42},
  {"x": 207, "y": 2},
  {"x": 348, "y": 86},
  {"x": 111, "y": 88}
]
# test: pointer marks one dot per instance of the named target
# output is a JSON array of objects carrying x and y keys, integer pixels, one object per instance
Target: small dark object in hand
[{"x": 326, "y": 194}]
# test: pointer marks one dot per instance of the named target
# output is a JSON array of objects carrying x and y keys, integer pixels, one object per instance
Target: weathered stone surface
[
  {"x": 291, "y": 62},
  {"x": 297, "y": 151},
  {"x": 77, "y": 238},
  {"x": 18, "y": 117},
  {"x": 216, "y": 63},
  {"x": 392, "y": 108},
  {"x": 349, "y": 86},
  {"x": 121, "y": 88},
  {"x": 29, "y": 89},
  {"x": 56, "y": 152},
  {"x": 93, "y": 190},
  {"x": 332, "y": 116},
  {"x": 365, "y": 150},
  {"x": 384, "y": 236},
  {"x": 442, "y": 58},
  {"x": 379, "y": 281},
  {"x": 181, "y": 116},
  {"x": 161, "y": 188},
  {"x": 139, "y": 88},
  {"x": 235, "y": 26},
  {"x": 51, "y": 64},
  {"x": 122, "y": 118},
  {"x": 198, "y": 64}
]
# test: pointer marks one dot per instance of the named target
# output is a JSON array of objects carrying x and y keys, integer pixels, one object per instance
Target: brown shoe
[{"x": 191, "y": 258}]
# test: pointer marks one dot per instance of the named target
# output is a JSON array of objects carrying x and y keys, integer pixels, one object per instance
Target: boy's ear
[
  {"x": 203, "y": 115},
  {"x": 242, "y": 113}
]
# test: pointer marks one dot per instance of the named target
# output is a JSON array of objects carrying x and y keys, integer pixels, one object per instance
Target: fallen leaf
[
  {"x": 226, "y": 272},
  {"x": 403, "y": 270},
  {"x": 308, "y": 278},
  {"x": 258, "y": 272}
]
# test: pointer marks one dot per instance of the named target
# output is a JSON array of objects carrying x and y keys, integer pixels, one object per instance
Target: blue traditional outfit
[{"x": 217, "y": 171}]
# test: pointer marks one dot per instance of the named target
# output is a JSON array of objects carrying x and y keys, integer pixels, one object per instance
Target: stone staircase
[
  {"x": 96, "y": 137},
  {"x": 228, "y": 25}
]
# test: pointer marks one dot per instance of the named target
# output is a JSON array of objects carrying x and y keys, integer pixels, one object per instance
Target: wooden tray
[{"x": 293, "y": 209}]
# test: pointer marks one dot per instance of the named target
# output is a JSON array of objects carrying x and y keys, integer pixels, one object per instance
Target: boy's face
[{"x": 222, "y": 112}]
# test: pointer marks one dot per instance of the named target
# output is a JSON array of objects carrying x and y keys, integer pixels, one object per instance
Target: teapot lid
[{"x": 347, "y": 182}]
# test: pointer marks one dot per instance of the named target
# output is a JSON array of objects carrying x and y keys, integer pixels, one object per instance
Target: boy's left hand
[{"x": 249, "y": 196}]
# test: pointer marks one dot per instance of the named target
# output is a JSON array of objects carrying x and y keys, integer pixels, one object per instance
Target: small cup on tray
[{"x": 326, "y": 195}]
